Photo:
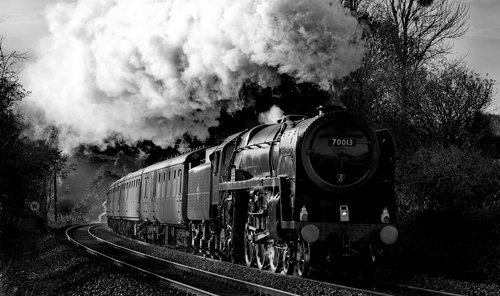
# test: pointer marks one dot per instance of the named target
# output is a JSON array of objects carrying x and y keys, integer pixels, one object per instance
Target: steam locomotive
[{"x": 300, "y": 195}]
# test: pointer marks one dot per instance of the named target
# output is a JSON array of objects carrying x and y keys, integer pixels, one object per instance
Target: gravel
[
  {"x": 441, "y": 283},
  {"x": 277, "y": 281},
  {"x": 36, "y": 263},
  {"x": 297, "y": 285}
]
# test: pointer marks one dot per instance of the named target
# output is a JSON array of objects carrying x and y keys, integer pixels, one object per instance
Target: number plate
[{"x": 341, "y": 142}]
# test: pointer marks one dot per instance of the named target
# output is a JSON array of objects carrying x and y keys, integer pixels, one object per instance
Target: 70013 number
[{"x": 341, "y": 142}]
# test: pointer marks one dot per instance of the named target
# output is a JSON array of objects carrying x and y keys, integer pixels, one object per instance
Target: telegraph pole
[{"x": 55, "y": 196}]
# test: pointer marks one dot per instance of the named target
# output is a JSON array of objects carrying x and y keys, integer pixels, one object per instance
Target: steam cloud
[
  {"x": 271, "y": 116},
  {"x": 159, "y": 68}
]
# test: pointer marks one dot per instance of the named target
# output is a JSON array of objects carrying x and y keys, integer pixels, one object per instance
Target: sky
[{"x": 23, "y": 25}]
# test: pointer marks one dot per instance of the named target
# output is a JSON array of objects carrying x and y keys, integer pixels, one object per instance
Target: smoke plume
[
  {"x": 157, "y": 69},
  {"x": 271, "y": 116}
]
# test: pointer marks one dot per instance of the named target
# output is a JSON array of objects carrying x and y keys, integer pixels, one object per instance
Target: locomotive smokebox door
[{"x": 339, "y": 152}]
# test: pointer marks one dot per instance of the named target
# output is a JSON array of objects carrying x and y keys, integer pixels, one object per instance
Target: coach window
[
  {"x": 180, "y": 181},
  {"x": 150, "y": 189},
  {"x": 153, "y": 185},
  {"x": 164, "y": 184}
]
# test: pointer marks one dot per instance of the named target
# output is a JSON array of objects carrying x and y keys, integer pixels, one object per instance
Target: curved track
[
  {"x": 186, "y": 278},
  {"x": 201, "y": 282}
]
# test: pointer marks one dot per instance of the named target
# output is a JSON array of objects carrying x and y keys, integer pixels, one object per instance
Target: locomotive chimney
[
  {"x": 323, "y": 110},
  {"x": 336, "y": 103}
]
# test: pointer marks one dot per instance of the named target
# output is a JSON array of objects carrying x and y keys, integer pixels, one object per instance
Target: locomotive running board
[{"x": 245, "y": 184}]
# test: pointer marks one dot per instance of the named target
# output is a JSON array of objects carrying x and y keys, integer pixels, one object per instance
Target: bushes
[
  {"x": 450, "y": 212},
  {"x": 450, "y": 179}
]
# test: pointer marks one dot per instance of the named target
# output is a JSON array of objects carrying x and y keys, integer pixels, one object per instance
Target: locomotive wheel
[
  {"x": 287, "y": 260},
  {"x": 274, "y": 256},
  {"x": 249, "y": 246},
  {"x": 303, "y": 259},
  {"x": 261, "y": 256}
]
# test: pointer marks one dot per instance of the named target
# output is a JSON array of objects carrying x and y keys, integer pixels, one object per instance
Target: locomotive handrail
[{"x": 269, "y": 143}]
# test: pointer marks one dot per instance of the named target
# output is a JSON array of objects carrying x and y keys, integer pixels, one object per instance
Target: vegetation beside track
[{"x": 44, "y": 263}]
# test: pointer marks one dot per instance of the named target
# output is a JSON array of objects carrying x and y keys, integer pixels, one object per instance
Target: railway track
[
  {"x": 387, "y": 288},
  {"x": 183, "y": 277},
  {"x": 390, "y": 288},
  {"x": 201, "y": 282},
  {"x": 399, "y": 289}
]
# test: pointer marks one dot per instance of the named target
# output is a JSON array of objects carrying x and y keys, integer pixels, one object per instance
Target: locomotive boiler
[{"x": 300, "y": 195}]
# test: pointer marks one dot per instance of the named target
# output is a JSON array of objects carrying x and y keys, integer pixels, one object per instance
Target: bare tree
[
  {"x": 418, "y": 31},
  {"x": 406, "y": 82},
  {"x": 409, "y": 36},
  {"x": 11, "y": 92},
  {"x": 452, "y": 110}
]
